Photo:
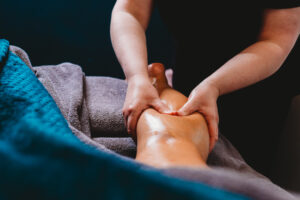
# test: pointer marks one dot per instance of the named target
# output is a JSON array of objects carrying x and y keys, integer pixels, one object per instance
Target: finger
[
  {"x": 125, "y": 117},
  {"x": 213, "y": 133},
  {"x": 130, "y": 124},
  {"x": 212, "y": 143},
  {"x": 132, "y": 121},
  {"x": 161, "y": 107},
  {"x": 126, "y": 113},
  {"x": 186, "y": 109}
]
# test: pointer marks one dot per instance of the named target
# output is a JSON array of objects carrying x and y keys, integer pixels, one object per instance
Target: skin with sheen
[{"x": 166, "y": 140}]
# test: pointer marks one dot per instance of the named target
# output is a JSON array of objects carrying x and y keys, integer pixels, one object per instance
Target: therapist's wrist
[
  {"x": 210, "y": 86},
  {"x": 139, "y": 77}
]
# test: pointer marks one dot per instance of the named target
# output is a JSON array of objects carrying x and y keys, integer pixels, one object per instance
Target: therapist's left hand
[{"x": 203, "y": 99}]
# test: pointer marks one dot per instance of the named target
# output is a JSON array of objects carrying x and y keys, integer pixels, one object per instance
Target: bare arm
[
  {"x": 279, "y": 33},
  {"x": 129, "y": 21}
]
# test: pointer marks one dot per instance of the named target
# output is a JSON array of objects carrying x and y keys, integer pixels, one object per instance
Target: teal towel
[{"x": 40, "y": 158}]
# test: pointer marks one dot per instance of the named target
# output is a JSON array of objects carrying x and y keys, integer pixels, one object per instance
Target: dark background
[
  {"x": 55, "y": 31},
  {"x": 77, "y": 31}
]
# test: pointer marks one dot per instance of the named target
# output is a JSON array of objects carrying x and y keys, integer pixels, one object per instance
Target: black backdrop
[
  {"x": 55, "y": 31},
  {"x": 77, "y": 31}
]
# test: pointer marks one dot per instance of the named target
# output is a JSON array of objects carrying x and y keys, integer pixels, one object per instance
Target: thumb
[
  {"x": 213, "y": 133},
  {"x": 186, "y": 109},
  {"x": 161, "y": 107}
]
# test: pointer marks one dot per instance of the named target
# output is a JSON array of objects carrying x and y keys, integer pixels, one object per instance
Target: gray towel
[
  {"x": 92, "y": 106},
  {"x": 251, "y": 185},
  {"x": 106, "y": 121}
]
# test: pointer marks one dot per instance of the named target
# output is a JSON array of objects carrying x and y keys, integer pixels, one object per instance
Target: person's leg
[{"x": 166, "y": 140}]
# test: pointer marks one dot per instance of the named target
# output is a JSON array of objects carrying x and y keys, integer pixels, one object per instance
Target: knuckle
[
  {"x": 124, "y": 111},
  {"x": 131, "y": 108}
]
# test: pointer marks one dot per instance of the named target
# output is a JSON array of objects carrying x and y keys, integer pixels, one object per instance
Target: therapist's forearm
[
  {"x": 254, "y": 64},
  {"x": 129, "y": 43}
]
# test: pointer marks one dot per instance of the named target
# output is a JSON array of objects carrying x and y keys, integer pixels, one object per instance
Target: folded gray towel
[{"x": 105, "y": 97}]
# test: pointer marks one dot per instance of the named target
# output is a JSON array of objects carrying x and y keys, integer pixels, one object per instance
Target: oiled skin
[{"x": 165, "y": 140}]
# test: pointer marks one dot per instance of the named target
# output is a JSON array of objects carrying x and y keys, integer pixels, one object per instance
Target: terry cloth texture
[
  {"x": 92, "y": 106},
  {"x": 42, "y": 159}
]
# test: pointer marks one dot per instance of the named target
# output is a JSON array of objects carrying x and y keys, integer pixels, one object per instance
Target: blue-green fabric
[{"x": 40, "y": 158}]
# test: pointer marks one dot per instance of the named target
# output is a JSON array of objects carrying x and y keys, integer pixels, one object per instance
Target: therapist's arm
[
  {"x": 129, "y": 21},
  {"x": 279, "y": 33}
]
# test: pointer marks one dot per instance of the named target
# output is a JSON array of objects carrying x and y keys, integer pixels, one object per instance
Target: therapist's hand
[
  {"x": 203, "y": 99},
  {"x": 141, "y": 94}
]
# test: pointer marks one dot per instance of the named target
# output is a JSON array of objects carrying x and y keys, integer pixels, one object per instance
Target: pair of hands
[{"x": 141, "y": 95}]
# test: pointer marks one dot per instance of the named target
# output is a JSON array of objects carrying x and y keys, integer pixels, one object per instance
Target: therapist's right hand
[{"x": 141, "y": 94}]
